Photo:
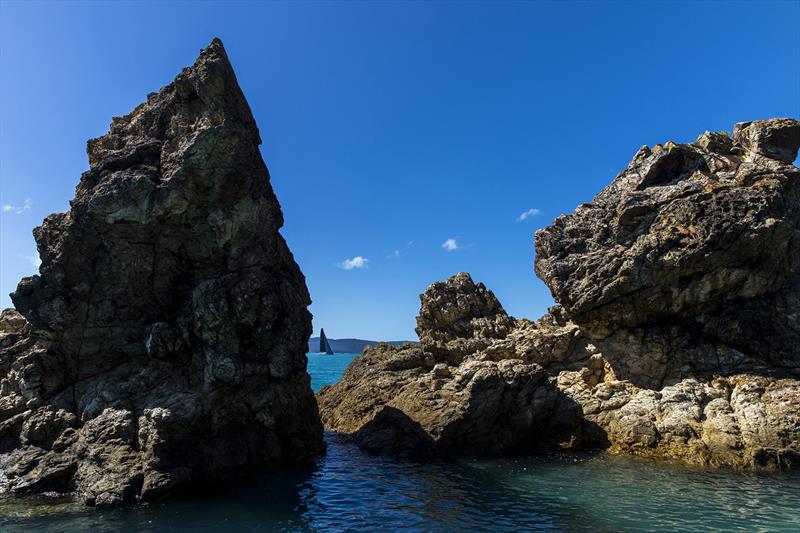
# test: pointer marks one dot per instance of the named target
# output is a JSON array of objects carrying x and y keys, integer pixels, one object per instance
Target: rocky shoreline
[
  {"x": 677, "y": 332},
  {"x": 162, "y": 346}
]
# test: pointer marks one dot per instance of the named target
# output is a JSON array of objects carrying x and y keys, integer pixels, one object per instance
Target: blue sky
[{"x": 405, "y": 140}]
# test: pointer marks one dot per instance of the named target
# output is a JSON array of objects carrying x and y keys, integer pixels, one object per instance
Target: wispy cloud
[
  {"x": 396, "y": 253},
  {"x": 17, "y": 209},
  {"x": 355, "y": 262},
  {"x": 34, "y": 259},
  {"x": 528, "y": 214},
  {"x": 450, "y": 244}
]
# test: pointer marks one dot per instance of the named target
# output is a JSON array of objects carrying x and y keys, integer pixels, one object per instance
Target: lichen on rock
[
  {"x": 162, "y": 345},
  {"x": 677, "y": 332}
]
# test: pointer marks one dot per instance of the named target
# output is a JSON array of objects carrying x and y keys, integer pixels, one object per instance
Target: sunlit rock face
[
  {"x": 163, "y": 344},
  {"x": 677, "y": 333},
  {"x": 444, "y": 396},
  {"x": 691, "y": 254}
]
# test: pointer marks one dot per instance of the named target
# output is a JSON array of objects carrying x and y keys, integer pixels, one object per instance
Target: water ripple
[{"x": 348, "y": 490}]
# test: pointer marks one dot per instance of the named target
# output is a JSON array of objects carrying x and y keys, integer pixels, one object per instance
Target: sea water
[
  {"x": 327, "y": 369},
  {"x": 347, "y": 490}
]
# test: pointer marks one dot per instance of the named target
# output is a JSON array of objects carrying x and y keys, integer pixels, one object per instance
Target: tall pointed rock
[{"x": 166, "y": 333}]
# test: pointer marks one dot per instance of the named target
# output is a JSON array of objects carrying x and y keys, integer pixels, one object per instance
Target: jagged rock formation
[
  {"x": 436, "y": 398},
  {"x": 163, "y": 344},
  {"x": 678, "y": 333},
  {"x": 691, "y": 245}
]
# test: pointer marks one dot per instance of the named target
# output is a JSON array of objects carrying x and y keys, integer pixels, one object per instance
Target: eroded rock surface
[
  {"x": 691, "y": 256},
  {"x": 163, "y": 344},
  {"x": 439, "y": 397},
  {"x": 677, "y": 333}
]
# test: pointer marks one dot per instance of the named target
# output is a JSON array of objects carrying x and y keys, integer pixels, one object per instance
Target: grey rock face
[
  {"x": 163, "y": 343},
  {"x": 677, "y": 333}
]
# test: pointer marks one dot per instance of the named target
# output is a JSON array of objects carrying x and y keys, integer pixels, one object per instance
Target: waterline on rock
[{"x": 350, "y": 489}]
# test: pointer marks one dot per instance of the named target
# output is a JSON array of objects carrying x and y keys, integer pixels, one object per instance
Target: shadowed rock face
[
  {"x": 165, "y": 336},
  {"x": 678, "y": 333}
]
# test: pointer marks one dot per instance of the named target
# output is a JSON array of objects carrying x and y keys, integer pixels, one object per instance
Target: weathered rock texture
[
  {"x": 677, "y": 333},
  {"x": 163, "y": 344},
  {"x": 439, "y": 398}
]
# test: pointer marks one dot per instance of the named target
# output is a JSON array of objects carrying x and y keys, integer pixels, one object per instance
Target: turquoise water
[
  {"x": 352, "y": 491},
  {"x": 327, "y": 369}
]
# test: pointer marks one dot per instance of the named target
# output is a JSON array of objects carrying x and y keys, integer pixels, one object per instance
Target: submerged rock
[
  {"x": 163, "y": 344},
  {"x": 677, "y": 333}
]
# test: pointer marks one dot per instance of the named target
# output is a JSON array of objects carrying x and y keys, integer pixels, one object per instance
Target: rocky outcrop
[
  {"x": 458, "y": 318},
  {"x": 692, "y": 255},
  {"x": 677, "y": 333},
  {"x": 162, "y": 346},
  {"x": 438, "y": 398}
]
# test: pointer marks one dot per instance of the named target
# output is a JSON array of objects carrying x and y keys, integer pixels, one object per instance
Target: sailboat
[{"x": 324, "y": 345}]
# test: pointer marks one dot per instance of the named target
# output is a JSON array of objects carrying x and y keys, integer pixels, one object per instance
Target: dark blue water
[{"x": 349, "y": 490}]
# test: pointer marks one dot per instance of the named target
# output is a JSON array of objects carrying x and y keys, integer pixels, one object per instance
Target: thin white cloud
[
  {"x": 450, "y": 244},
  {"x": 396, "y": 253},
  {"x": 34, "y": 259},
  {"x": 17, "y": 209},
  {"x": 529, "y": 213},
  {"x": 355, "y": 262}
]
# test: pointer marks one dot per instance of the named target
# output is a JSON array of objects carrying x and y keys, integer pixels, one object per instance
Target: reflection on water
[{"x": 349, "y": 490}]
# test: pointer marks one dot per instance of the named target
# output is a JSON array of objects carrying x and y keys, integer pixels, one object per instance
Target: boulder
[
  {"x": 776, "y": 138},
  {"x": 162, "y": 346},
  {"x": 459, "y": 317}
]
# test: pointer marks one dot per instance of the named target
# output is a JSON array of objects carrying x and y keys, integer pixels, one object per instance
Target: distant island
[{"x": 349, "y": 345}]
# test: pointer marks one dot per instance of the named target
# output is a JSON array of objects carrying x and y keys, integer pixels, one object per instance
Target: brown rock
[
  {"x": 777, "y": 138},
  {"x": 685, "y": 263},
  {"x": 413, "y": 400},
  {"x": 677, "y": 333},
  {"x": 458, "y": 318}
]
